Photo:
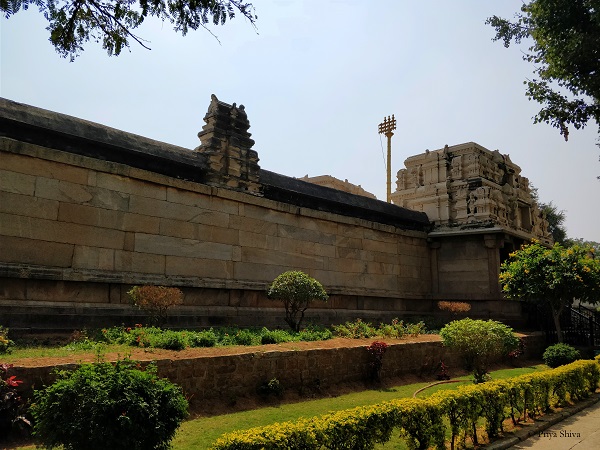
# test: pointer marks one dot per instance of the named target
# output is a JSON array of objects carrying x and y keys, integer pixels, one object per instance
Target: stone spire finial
[{"x": 225, "y": 141}]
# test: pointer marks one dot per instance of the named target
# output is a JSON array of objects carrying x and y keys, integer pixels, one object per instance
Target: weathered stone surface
[
  {"x": 17, "y": 183},
  {"x": 128, "y": 185},
  {"x": 217, "y": 234},
  {"x": 303, "y": 234},
  {"x": 73, "y": 292},
  {"x": 260, "y": 256},
  {"x": 159, "y": 208},
  {"x": 167, "y": 245},
  {"x": 65, "y": 191},
  {"x": 265, "y": 274},
  {"x": 334, "y": 183},
  {"x": 25, "y": 205},
  {"x": 30, "y": 251},
  {"x": 49, "y": 169},
  {"x": 469, "y": 186},
  {"x": 52, "y": 231},
  {"x": 87, "y": 139},
  {"x": 199, "y": 267},
  {"x": 93, "y": 258},
  {"x": 13, "y": 289},
  {"x": 139, "y": 263},
  {"x": 253, "y": 225},
  {"x": 226, "y": 144}
]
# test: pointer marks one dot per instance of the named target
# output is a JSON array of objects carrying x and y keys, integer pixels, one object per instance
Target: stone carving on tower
[
  {"x": 225, "y": 141},
  {"x": 467, "y": 186}
]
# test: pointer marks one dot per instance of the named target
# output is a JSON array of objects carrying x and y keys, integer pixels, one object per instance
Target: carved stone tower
[
  {"x": 468, "y": 187},
  {"x": 225, "y": 141}
]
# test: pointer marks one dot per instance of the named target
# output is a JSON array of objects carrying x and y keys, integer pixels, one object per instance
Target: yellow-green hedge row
[{"x": 421, "y": 421}]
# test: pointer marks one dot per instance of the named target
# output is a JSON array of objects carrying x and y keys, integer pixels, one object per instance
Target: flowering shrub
[
  {"x": 156, "y": 300},
  {"x": 274, "y": 336},
  {"x": 104, "y": 405},
  {"x": 376, "y": 350},
  {"x": 206, "y": 338},
  {"x": 355, "y": 330},
  {"x": 314, "y": 333},
  {"x": 12, "y": 407},
  {"x": 397, "y": 330},
  {"x": 443, "y": 374},
  {"x": 519, "y": 351}
]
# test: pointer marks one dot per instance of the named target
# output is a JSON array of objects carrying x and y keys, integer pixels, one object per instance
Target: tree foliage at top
[
  {"x": 552, "y": 277},
  {"x": 72, "y": 23},
  {"x": 565, "y": 52}
]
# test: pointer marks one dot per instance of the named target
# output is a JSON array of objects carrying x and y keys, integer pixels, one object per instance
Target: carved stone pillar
[{"x": 226, "y": 143}]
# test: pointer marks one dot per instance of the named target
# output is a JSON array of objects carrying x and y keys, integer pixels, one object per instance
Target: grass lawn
[{"x": 200, "y": 433}]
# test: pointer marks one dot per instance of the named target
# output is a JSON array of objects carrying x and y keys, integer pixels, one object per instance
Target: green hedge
[{"x": 423, "y": 422}]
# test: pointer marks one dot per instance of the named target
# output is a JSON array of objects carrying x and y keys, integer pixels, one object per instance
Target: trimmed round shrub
[
  {"x": 479, "y": 342},
  {"x": 297, "y": 291},
  {"x": 559, "y": 355},
  {"x": 105, "y": 405}
]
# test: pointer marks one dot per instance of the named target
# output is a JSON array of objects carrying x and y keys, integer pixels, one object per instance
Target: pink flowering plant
[{"x": 12, "y": 406}]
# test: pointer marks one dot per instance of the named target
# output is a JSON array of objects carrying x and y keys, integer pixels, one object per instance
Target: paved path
[
  {"x": 578, "y": 432},
  {"x": 576, "y": 428}
]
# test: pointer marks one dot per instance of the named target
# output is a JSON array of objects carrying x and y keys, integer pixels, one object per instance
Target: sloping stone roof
[{"x": 38, "y": 126}]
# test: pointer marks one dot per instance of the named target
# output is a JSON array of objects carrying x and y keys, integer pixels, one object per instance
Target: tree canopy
[
  {"x": 565, "y": 52},
  {"x": 552, "y": 277},
  {"x": 297, "y": 291},
  {"x": 556, "y": 222},
  {"x": 72, "y": 23}
]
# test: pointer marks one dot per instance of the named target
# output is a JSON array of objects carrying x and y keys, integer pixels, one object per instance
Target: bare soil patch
[{"x": 152, "y": 354}]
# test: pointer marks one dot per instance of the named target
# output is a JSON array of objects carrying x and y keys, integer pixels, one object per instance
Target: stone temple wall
[{"x": 87, "y": 211}]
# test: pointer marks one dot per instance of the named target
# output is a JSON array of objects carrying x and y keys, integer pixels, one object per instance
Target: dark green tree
[
  {"x": 556, "y": 219},
  {"x": 72, "y": 23},
  {"x": 565, "y": 53},
  {"x": 552, "y": 277},
  {"x": 297, "y": 291}
]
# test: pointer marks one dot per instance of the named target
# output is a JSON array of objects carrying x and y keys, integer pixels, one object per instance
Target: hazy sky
[{"x": 316, "y": 80}]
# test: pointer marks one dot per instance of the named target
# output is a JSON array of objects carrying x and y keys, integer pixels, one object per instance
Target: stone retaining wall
[{"x": 240, "y": 375}]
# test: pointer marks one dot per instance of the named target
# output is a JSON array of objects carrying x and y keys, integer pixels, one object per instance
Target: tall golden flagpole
[{"x": 387, "y": 127}]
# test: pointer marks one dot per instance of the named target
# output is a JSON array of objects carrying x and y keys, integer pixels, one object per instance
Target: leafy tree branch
[
  {"x": 73, "y": 23},
  {"x": 565, "y": 51}
]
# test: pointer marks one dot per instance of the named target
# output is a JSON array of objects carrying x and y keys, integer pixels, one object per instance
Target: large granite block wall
[{"x": 77, "y": 232}]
